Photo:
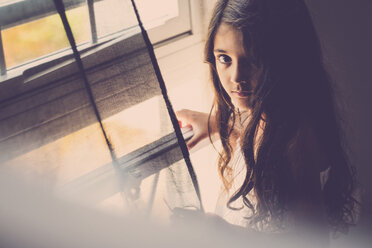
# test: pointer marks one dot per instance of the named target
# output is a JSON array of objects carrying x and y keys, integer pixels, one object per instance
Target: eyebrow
[{"x": 219, "y": 50}]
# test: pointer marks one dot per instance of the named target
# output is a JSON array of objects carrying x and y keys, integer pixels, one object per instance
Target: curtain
[{"x": 95, "y": 124}]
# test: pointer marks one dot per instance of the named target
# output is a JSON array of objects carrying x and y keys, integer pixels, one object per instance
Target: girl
[{"x": 283, "y": 164}]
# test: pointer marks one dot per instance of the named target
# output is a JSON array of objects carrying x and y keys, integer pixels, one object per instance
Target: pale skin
[{"x": 232, "y": 62}]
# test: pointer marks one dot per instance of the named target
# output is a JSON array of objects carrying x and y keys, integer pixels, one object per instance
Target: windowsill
[{"x": 16, "y": 79}]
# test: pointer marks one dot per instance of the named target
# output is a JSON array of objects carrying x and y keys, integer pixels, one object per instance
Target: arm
[{"x": 199, "y": 124}]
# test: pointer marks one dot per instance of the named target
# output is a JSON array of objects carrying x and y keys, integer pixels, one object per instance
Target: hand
[{"x": 199, "y": 124}]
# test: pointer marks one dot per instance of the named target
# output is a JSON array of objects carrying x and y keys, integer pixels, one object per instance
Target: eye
[{"x": 223, "y": 59}]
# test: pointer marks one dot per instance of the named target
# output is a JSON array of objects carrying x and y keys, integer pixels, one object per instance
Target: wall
[{"x": 344, "y": 28}]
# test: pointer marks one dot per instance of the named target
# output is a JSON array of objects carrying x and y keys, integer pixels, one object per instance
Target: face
[{"x": 236, "y": 72}]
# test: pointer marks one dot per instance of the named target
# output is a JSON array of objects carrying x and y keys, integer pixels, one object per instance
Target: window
[
  {"x": 41, "y": 95},
  {"x": 34, "y": 27}
]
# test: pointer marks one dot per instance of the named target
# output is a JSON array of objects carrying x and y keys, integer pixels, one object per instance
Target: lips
[{"x": 241, "y": 93}]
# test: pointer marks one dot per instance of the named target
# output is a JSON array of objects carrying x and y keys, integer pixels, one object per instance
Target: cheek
[{"x": 224, "y": 79}]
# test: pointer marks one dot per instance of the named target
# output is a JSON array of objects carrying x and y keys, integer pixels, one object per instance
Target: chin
[{"x": 243, "y": 106}]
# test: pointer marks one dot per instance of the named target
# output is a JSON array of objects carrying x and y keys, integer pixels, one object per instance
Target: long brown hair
[{"x": 293, "y": 89}]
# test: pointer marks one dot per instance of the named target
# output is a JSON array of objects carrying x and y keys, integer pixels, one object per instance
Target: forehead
[{"x": 229, "y": 39}]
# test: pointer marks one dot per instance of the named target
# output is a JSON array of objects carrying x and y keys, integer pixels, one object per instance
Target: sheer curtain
[{"x": 101, "y": 133}]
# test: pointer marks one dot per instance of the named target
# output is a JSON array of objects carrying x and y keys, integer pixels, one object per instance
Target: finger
[
  {"x": 193, "y": 142},
  {"x": 183, "y": 115}
]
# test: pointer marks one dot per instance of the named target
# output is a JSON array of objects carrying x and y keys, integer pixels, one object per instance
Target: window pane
[
  {"x": 43, "y": 36},
  {"x": 116, "y": 15}
]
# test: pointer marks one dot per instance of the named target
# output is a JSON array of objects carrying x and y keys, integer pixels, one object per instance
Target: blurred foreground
[{"x": 32, "y": 215}]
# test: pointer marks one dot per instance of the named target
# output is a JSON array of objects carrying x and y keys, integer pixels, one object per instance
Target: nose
[{"x": 239, "y": 73}]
